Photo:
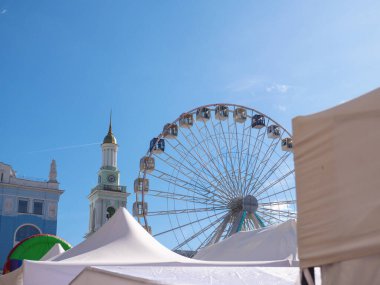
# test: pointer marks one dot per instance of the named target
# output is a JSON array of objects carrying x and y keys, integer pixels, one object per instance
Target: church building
[
  {"x": 108, "y": 195},
  {"x": 27, "y": 207}
]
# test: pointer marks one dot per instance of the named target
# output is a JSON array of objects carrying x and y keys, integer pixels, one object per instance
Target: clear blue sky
[{"x": 65, "y": 64}]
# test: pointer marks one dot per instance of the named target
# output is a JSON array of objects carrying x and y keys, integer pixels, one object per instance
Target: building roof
[{"x": 110, "y": 138}]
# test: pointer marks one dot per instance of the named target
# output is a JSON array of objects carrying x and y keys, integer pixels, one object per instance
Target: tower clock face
[{"x": 111, "y": 178}]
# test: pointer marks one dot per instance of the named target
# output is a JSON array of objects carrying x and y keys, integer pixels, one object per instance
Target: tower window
[
  {"x": 38, "y": 207},
  {"x": 23, "y": 206}
]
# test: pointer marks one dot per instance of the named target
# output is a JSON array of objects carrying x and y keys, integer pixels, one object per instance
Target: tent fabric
[
  {"x": 337, "y": 162},
  {"x": 118, "y": 240},
  {"x": 118, "y": 275},
  {"x": 121, "y": 241},
  {"x": 12, "y": 278},
  {"x": 364, "y": 270},
  {"x": 54, "y": 252},
  {"x": 276, "y": 242}
]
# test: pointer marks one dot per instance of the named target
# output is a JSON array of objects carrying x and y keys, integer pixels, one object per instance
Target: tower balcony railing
[{"x": 115, "y": 188}]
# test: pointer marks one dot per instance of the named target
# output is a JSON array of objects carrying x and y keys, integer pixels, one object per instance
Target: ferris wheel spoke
[
  {"x": 184, "y": 184},
  {"x": 230, "y": 171},
  {"x": 279, "y": 203},
  {"x": 269, "y": 173},
  {"x": 182, "y": 197},
  {"x": 181, "y": 170},
  {"x": 277, "y": 210},
  {"x": 216, "y": 236},
  {"x": 265, "y": 160},
  {"x": 238, "y": 154},
  {"x": 252, "y": 159},
  {"x": 220, "y": 155},
  {"x": 198, "y": 233},
  {"x": 270, "y": 216},
  {"x": 185, "y": 211},
  {"x": 275, "y": 182},
  {"x": 187, "y": 224},
  {"x": 275, "y": 194},
  {"x": 204, "y": 166},
  {"x": 229, "y": 148},
  {"x": 265, "y": 220},
  {"x": 222, "y": 176},
  {"x": 246, "y": 158},
  {"x": 221, "y": 181},
  {"x": 282, "y": 214},
  {"x": 208, "y": 240},
  {"x": 202, "y": 174}
]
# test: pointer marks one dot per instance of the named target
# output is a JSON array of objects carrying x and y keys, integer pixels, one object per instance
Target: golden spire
[
  {"x": 110, "y": 127},
  {"x": 110, "y": 138}
]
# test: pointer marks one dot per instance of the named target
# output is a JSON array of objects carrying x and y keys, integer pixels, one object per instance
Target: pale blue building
[{"x": 27, "y": 207}]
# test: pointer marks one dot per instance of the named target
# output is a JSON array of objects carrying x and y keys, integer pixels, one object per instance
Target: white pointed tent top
[
  {"x": 54, "y": 252},
  {"x": 119, "y": 241}
]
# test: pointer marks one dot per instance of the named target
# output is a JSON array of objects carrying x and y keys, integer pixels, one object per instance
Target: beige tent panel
[
  {"x": 364, "y": 270},
  {"x": 12, "y": 278},
  {"x": 337, "y": 165}
]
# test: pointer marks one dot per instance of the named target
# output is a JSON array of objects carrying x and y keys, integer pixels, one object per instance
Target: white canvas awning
[
  {"x": 276, "y": 242},
  {"x": 120, "y": 242},
  {"x": 337, "y": 165},
  {"x": 186, "y": 275}
]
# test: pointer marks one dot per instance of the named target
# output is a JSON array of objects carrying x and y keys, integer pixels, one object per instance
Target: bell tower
[{"x": 108, "y": 195}]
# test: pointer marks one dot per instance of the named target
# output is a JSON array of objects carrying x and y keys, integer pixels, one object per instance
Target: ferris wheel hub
[{"x": 248, "y": 203}]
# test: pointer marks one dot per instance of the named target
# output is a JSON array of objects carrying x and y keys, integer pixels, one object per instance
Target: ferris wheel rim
[{"x": 149, "y": 153}]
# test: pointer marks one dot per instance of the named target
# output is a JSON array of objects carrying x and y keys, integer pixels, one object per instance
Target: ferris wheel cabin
[
  {"x": 170, "y": 131},
  {"x": 240, "y": 115},
  {"x": 273, "y": 132},
  {"x": 287, "y": 144},
  {"x": 140, "y": 209},
  {"x": 147, "y": 164},
  {"x": 157, "y": 146},
  {"x": 141, "y": 185},
  {"x": 203, "y": 114},
  {"x": 258, "y": 121},
  {"x": 221, "y": 112},
  {"x": 186, "y": 121}
]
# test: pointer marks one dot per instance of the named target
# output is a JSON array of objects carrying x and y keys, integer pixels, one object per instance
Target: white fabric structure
[
  {"x": 120, "y": 242},
  {"x": 54, "y": 252},
  {"x": 186, "y": 275},
  {"x": 276, "y": 242},
  {"x": 337, "y": 163}
]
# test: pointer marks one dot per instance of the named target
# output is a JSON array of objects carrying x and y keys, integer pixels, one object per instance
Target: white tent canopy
[
  {"x": 120, "y": 242},
  {"x": 276, "y": 242},
  {"x": 54, "y": 252},
  {"x": 186, "y": 275}
]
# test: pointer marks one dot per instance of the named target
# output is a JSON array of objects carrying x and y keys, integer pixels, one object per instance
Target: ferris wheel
[{"x": 214, "y": 171}]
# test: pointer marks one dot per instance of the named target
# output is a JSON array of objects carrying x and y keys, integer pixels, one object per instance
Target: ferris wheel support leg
[
  {"x": 260, "y": 220},
  {"x": 241, "y": 221},
  {"x": 236, "y": 222},
  {"x": 220, "y": 231}
]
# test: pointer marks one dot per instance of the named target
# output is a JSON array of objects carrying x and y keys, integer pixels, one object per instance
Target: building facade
[
  {"x": 27, "y": 207},
  {"x": 108, "y": 195}
]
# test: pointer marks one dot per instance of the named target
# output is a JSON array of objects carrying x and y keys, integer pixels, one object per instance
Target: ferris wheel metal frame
[{"x": 236, "y": 195}]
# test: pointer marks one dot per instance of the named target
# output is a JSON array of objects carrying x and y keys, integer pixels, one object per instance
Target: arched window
[
  {"x": 26, "y": 231},
  {"x": 110, "y": 212}
]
